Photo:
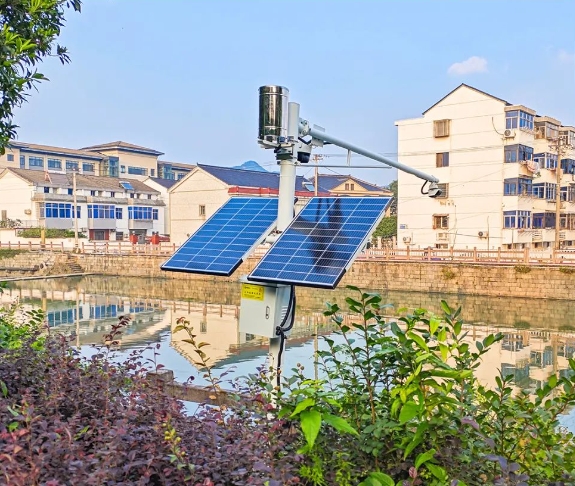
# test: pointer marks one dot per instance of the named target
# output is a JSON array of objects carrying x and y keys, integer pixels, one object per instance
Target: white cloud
[
  {"x": 565, "y": 57},
  {"x": 474, "y": 64}
]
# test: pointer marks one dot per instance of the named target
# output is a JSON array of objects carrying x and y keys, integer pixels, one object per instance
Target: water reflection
[{"x": 539, "y": 335}]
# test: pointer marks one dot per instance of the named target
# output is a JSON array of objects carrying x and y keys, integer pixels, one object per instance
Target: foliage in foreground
[
  {"x": 29, "y": 30},
  {"x": 399, "y": 405}
]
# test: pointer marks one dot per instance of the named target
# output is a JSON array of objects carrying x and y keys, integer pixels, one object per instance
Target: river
[{"x": 539, "y": 334}]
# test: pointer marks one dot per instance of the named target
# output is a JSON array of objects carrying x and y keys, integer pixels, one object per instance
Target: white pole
[
  {"x": 286, "y": 198},
  {"x": 75, "y": 211}
]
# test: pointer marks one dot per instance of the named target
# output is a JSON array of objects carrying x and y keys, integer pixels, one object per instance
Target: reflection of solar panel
[
  {"x": 126, "y": 185},
  {"x": 321, "y": 242},
  {"x": 224, "y": 240}
]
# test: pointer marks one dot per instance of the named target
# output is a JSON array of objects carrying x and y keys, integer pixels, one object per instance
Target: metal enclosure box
[{"x": 263, "y": 306}]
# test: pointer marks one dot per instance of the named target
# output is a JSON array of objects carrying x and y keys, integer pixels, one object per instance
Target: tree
[
  {"x": 29, "y": 30},
  {"x": 393, "y": 188},
  {"x": 388, "y": 225}
]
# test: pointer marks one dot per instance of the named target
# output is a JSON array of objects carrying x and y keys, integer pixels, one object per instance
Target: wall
[
  {"x": 15, "y": 164},
  {"x": 16, "y": 197},
  {"x": 544, "y": 282},
  {"x": 198, "y": 188}
]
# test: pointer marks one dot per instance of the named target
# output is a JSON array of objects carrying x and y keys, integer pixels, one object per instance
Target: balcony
[
  {"x": 140, "y": 224},
  {"x": 101, "y": 223},
  {"x": 51, "y": 197}
]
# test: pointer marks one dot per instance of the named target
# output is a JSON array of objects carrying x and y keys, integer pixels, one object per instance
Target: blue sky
[{"x": 182, "y": 76}]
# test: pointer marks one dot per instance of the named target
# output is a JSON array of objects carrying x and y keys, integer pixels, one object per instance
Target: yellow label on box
[{"x": 253, "y": 292}]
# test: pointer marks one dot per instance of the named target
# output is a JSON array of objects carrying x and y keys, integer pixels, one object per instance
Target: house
[
  {"x": 163, "y": 187},
  {"x": 107, "y": 208},
  {"x": 193, "y": 199},
  {"x": 498, "y": 171}
]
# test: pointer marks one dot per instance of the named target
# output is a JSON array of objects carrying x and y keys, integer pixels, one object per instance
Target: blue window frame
[
  {"x": 568, "y": 166},
  {"x": 517, "y": 219},
  {"x": 137, "y": 170},
  {"x": 546, "y": 160},
  {"x": 549, "y": 220},
  {"x": 141, "y": 213},
  {"x": 10, "y": 157},
  {"x": 35, "y": 162},
  {"x": 87, "y": 167},
  {"x": 517, "y": 152},
  {"x": 71, "y": 165},
  {"x": 22, "y": 161},
  {"x": 70, "y": 191},
  {"x": 518, "y": 186},
  {"x": 155, "y": 214},
  {"x": 101, "y": 211},
  {"x": 538, "y": 220},
  {"x": 118, "y": 213},
  {"x": 544, "y": 190},
  {"x": 58, "y": 210},
  {"x": 54, "y": 164},
  {"x": 518, "y": 119},
  {"x": 46, "y": 190}
]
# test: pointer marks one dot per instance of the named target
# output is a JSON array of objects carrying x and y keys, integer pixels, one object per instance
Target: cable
[{"x": 281, "y": 331}]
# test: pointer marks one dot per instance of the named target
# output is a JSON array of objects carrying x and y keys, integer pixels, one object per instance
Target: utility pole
[
  {"x": 75, "y": 212},
  {"x": 559, "y": 147},
  {"x": 316, "y": 159}
]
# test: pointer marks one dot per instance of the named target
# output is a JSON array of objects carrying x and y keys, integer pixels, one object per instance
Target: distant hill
[{"x": 250, "y": 165}]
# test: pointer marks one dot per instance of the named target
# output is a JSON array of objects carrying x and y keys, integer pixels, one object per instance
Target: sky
[{"x": 182, "y": 76}]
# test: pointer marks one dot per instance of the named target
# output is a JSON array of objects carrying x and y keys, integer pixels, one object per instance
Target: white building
[
  {"x": 107, "y": 208},
  {"x": 497, "y": 171}
]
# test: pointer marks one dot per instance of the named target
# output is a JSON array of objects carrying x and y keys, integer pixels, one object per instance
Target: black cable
[
  {"x": 424, "y": 184},
  {"x": 281, "y": 331}
]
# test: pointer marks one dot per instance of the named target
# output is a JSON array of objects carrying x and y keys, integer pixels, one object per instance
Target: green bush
[
  {"x": 400, "y": 404},
  {"x": 17, "y": 326},
  {"x": 9, "y": 253},
  {"x": 50, "y": 233}
]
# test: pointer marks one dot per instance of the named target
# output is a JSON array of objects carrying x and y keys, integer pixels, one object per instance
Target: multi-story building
[
  {"x": 107, "y": 208},
  {"x": 115, "y": 159},
  {"x": 497, "y": 165}
]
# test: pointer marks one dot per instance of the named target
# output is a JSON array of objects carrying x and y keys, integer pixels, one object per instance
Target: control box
[{"x": 263, "y": 307}]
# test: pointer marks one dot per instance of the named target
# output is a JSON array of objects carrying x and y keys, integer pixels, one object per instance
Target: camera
[{"x": 434, "y": 190}]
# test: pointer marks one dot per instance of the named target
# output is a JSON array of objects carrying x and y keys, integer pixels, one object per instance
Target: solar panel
[
  {"x": 126, "y": 185},
  {"x": 321, "y": 242},
  {"x": 224, "y": 240}
]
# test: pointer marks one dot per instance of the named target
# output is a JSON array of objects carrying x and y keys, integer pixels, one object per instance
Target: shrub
[
  {"x": 68, "y": 420},
  {"x": 9, "y": 253},
  {"x": 49, "y": 233}
]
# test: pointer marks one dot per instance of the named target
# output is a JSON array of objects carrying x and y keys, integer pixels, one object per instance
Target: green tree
[
  {"x": 29, "y": 30},
  {"x": 388, "y": 226},
  {"x": 393, "y": 188}
]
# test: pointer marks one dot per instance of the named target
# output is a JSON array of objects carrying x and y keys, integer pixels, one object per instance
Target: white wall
[{"x": 16, "y": 198}]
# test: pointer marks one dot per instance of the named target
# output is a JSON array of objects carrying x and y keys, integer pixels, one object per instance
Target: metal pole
[
  {"x": 305, "y": 129},
  {"x": 75, "y": 211},
  {"x": 558, "y": 146},
  {"x": 286, "y": 198}
]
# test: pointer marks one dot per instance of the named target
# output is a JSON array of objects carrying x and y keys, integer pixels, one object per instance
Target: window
[
  {"x": 441, "y": 128},
  {"x": 181, "y": 176},
  {"x": 137, "y": 170},
  {"x": 46, "y": 190},
  {"x": 440, "y": 221},
  {"x": 54, "y": 164},
  {"x": 10, "y": 157},
  {"x": 58, "y": 210},
  {"x": 101, "y": 211},
  {"x": 517, "y": 219},
  {"x": 544, "y": 190},
  {"x": 155, "y": 214},
  {"x": 112, "y": 194},
  {"x": 140, "y": 213},
  {"x": 518, "y": 119},
  {"x": 166, "y": 172},
  {"x": 71, "y": 165},
  {"x": 568, "y": 137},
  {"x": 123, "y": 169},
  {"x": 520, "y": 186},
  {"x": 35, "y": 162},
  {"x": 568, "y": 166},
  {"x": 149, "y": 196},
  {"x": 517, "y": 153},
  {"x": 444, "y": 188},
  {"x": 442, "y": 159},
  {"x": 88, "y": 167},
  {"x": 546, "y": 160},
  {"x": 152, "y": 172},
  {"x": 92, "y": 193},
  {"x": 202, "y": 211},
  {"x": 119, "y": 213},
  {"x": 132, "y": 195},
  {"x": 70, "y": 192},
  {"x": 347, "y": 187},
  {"x": 22, "y": 162},
  {"x": 538, "y": 220}
]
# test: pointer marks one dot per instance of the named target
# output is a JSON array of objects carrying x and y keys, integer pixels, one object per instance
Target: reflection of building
[{"x": 497, "y": 172}]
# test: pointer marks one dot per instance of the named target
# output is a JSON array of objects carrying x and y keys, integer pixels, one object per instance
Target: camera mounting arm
[{"x": 305, "y": 129}]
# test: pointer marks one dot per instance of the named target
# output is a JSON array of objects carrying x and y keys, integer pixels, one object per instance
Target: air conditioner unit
[
  {"x": 28, "y": 212},
  {"x": 483, "y": 234},
  {"x": 442, "y": 236},
  {"x": 509, "y": 133},
  {"x": 406, "y": 239}
]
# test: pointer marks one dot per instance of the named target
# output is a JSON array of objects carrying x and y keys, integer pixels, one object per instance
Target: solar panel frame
[
  {"x": 321, "y": 243},
  {"x": 221, "y": 244}
]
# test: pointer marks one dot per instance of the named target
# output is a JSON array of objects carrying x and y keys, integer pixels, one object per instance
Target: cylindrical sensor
[{"x": 273, "y": 114}]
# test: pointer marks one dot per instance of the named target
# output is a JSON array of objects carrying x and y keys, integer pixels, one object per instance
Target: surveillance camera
[{"x": 434, "y": 190}]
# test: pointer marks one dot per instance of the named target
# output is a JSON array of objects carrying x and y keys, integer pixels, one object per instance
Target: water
[{"x": 539, "y": 334}]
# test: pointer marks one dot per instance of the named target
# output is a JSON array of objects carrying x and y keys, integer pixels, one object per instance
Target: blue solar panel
[
  {"x": 321, "y": 242},
  {"x": 127, "y": 185},
  {"x": 224, "y": 240}
]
